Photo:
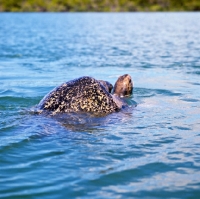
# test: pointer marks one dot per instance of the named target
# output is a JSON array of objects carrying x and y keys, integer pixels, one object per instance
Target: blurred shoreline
[{"x": 98, "y": 6}]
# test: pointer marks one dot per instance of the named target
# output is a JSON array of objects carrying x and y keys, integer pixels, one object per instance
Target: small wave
[
  {"x": 7, "y": 92},
  {"x": 144, "y": 92},
  {"x": 189, "y": 100},
  {"x": 13, "y": 102}
]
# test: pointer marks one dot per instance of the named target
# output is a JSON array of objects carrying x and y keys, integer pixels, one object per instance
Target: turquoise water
[{"x": 150, "y": 151}]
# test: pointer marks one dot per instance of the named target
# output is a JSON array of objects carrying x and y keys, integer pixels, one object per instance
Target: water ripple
[{"x": 148, "y": 151}]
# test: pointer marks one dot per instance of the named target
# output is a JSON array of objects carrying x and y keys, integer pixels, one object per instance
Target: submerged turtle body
[{"x": 84, "y": 94}]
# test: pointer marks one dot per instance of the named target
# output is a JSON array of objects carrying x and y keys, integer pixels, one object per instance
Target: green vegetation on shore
[{"x": 98, "y": 5}]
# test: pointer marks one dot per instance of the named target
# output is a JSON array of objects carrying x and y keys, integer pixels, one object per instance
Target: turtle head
[{"x": 123, "y": 86}]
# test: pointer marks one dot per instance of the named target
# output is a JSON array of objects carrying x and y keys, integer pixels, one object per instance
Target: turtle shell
[{"x": 84, "y": 94}]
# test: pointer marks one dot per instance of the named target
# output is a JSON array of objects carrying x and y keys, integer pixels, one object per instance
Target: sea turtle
[{"x": 89, "y": 95}]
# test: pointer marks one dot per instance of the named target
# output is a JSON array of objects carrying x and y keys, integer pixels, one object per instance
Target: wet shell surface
[{"x": 84, "y": 94}]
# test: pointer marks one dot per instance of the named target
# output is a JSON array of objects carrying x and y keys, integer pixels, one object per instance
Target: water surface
[{"x": 151, "y": 151}]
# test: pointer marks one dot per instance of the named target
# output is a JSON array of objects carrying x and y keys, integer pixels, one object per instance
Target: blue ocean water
[{"x": 150, "y": 151}]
